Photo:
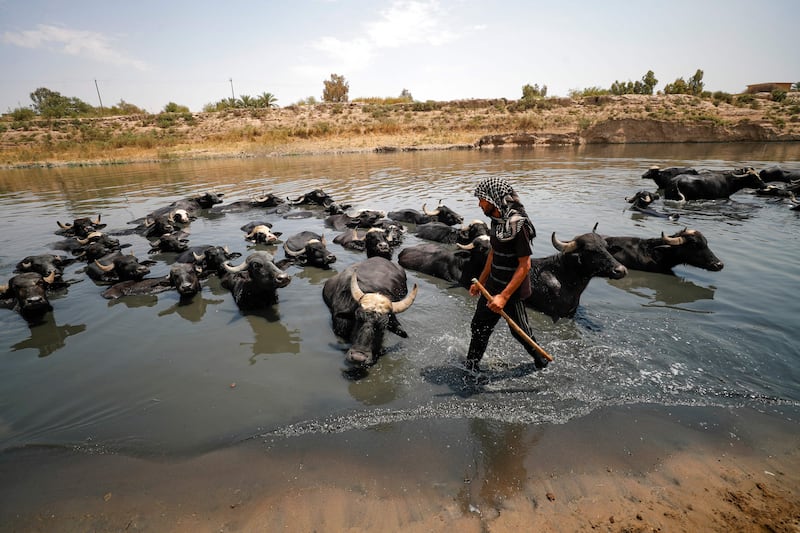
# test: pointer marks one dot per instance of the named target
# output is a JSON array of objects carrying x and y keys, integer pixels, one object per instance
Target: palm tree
[
  {"x": 246, "y": 101},
  {"x": 266, "y": 99}
]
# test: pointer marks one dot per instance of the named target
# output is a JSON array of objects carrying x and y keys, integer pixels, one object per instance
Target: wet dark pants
[{"x": 484, "y": 321}]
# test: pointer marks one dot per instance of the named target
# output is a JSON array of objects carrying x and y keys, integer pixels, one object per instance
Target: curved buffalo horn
[
  {"x": 25, "y": 264},
  {"x": 594, "y": 229},
  {"x": 565, "y": 247},
  {"x": 355, "y": 290},
  {"x": 293, "y": 253},
  {"x": 88, "y": 238},
  {"x": 3, "y": 289},
  {"x": 469, "y": 246},
  {"x": 233, "y": 269},
  {"x": 149, "y": 222},
  {"x": 96, "y": 221},
  {"x": 63, "y": 226},
  {"x": 296, "y": 200},
  {"x": 430, "y": 213},
  {"x": 356, "y": 237},
  {"x": 672, "y": 241},
  {"x": 405, "y": 303},
  {"x": 322, "y": 240},
  {"x": 50, "y": 278},
  {"x": 197, "y": 257},
  {"x": 104, "y": 268}
]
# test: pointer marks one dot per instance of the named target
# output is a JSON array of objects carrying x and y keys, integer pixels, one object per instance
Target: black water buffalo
[
  {"x": 209, "y": 258},
  {"x": 776, "y": 173},
  {"x": 170, "y": 242},
  {"x": 185, "y": 209},
  {"x": 264, "y": 201},
  {"x": 118, "y": 267},
  {"x": 711, "y": 185},
  {"x": 440, "y": 232},
  {"x": 687, "y": 247},
  {"x": 309, "y": 249},
  {"x": 255, "y": 282},
  {"x": 364, "y": 300},
  {"x": 366, "y": 218},
  {"x": 27, "y": 294},
  {"x": 44, "y": 264},
  {"x": 94, "y": 246},
  {"x": 261, "y": 232},
  {"x": 411, "y": 216},
  {"x": 80, "y": 227},
  {"x": 315, "y": 197},
  {"x": 444, "y": 215},
  {"x": 374, "y": 241},
  {"x": 457, "y": 266},
  {"x": 557, "y": 281},
  {"x": 640, "y": 202},
  {"x": 662, "y": 176},
  {"x": 182, "y": 277}
]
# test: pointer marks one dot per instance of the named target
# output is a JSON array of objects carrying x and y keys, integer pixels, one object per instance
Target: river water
[{"x": 145, "y": 376}]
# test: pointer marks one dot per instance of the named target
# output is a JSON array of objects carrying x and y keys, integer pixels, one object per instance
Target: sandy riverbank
[{"x": 635, "y": 468}]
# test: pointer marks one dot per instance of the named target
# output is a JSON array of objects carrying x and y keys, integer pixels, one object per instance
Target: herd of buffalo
[{"x": 365, "y": 298}]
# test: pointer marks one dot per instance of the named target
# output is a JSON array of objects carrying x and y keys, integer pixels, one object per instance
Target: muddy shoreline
[{"x": 626, "y": 468}]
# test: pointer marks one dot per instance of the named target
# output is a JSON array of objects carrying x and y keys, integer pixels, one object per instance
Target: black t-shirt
[{"x": 505, "y": 260}]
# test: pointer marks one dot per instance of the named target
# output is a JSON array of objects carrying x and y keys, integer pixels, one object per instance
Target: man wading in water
[{"x": 506, "y": 273}]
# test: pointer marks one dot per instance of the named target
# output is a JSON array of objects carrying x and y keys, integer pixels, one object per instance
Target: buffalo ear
[{"x": 277, "y": 233}]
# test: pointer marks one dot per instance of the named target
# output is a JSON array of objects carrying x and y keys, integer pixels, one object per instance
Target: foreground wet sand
[{"x": 639, "y": 468}]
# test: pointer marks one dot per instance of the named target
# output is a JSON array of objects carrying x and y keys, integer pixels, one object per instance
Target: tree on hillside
[
  {"x": 266, "y": 100},
  {"x": 51, "y": 104},
  {"x": 645, "y": 86},
  {"x": 680, "y": 86},
  {"x": 336, "y": 89},
  {"x": 405, "y": 94},
  {"x": 529, "y": 92},
  {"x": 172, "y": 107}
]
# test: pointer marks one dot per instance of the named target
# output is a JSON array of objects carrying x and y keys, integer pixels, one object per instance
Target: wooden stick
[{"x": 513, "y": 324}]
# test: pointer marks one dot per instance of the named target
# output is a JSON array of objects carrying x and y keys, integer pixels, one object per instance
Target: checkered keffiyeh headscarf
[{"x": 500, "y": 193}]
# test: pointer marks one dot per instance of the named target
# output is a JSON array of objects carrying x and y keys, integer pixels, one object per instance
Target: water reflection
[
  {"x": 270, "y": 336},
  {"x": 192, "y": 310},
  {"x": 663, "y": 290},
  {"x": 497, "y": 472},
  {"x": 47, "y": 337}
]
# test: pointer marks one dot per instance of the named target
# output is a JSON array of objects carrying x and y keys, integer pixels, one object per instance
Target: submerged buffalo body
[
  {"x": 457, "y": 266},
  {"x": 687, "y": 247},
  {"x": 364, "y": 300},
  {"x": 711, "y": 185},
  {"x": 374, "y": 241},
  {"x": 557, "y": 281},
  {"x": 440, "y": 232},
  {"x": 118, "y": 267}
]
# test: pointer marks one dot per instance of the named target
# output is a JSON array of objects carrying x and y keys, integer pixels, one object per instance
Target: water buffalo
[
  {"x": 640, "y": 202},
  {"x": 118, "y": 267},
  {"x": 94, "y": 246},
  {"x": 209, "y": 258},
  {"x": 776, "y": 173},
  {"x": 444, "y": 215},
  {"x": 27, "y": 294},
  {"x": 182, "y": 276},
  {"x": 364, "y": 300},
  {"x": 254, "y": 283},
  {"x": 366, "y": 218},
  {"x": 80, "y": 227},
  {"x": 711, "y": 185},
  {"x": 557, "y": 281},
  {"x": 315, "y": 197},
  {"x": 440, "y": 232},
  {"x": 308, "y": 248},
  {"x": 373, "y": 241},
  {"x": 662, "y": 176},
  {"x": 170, "y": 242},
  {"x": 264, "y": 201},
  {"x": 457, "y": 266},
  {"x": 260, "y": 232},
  {"x": 44, "y": 264},
  {"x": 661, "y": 254}
]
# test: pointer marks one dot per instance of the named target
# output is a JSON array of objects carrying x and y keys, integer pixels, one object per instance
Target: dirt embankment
[{"x": 358, "y": 127}]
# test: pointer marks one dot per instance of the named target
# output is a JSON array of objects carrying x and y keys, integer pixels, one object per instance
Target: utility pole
[
  {"x": 98, "y": 94},
  {"x": 232, "y": 95}
]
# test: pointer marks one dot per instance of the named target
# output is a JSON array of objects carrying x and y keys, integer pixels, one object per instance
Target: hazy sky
[{"x": 149, "y": 53}]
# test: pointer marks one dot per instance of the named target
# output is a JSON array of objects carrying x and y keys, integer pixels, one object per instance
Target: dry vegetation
[{"x": 351, "y": 127}]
